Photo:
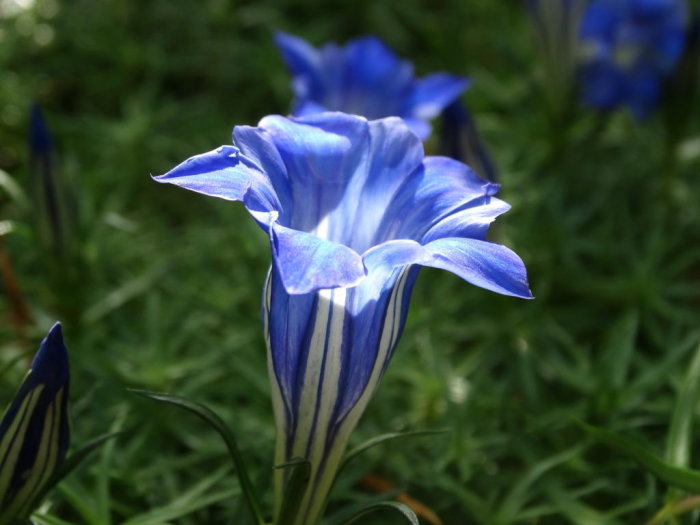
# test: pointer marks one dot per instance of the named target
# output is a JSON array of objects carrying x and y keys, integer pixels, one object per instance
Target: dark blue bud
[{"x": 35, "y": 431}]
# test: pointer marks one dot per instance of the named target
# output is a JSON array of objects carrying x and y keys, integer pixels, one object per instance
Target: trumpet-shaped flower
[
  {"x": 628, "y": 48},
  {"x": 365, "y": 78},
  {"x": 352, "y": 208},
  {"x": 34, "y": 432}
]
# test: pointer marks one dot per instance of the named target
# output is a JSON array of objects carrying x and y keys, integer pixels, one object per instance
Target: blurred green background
[{"x": 159, "y": 288}]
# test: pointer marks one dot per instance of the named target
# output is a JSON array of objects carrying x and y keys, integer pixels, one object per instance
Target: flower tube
[
  {"x": 34, "y": 432},
  {"x": 353, "y": 209},
  {"x": 366, "y": 78}
]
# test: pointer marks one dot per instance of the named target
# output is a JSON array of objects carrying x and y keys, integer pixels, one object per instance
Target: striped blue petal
[
  {"x": 226, "y": 174},
  {"x": 440, "y": 187},
  {"x": 306, "y": 262},
  {"x": 328, "y": 350},
  {"x": 34, "y": 432},
  {"x": 484, "y": 264},
  {"x": 365, "y": 77}
]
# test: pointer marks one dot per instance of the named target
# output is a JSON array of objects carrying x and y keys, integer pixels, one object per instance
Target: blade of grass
[
  {"x": 213, "y": 420},
  {"x": 678, "y": 477}
]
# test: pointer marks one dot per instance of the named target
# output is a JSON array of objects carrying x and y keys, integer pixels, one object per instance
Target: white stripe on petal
[
  {"x": 334, "y": 450},
  {"x": 331, "y": 375},
  {"x": 312, "y": 375}
]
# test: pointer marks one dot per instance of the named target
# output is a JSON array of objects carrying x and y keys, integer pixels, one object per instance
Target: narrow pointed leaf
[
  {"x": 214, "y": 421},
  {"x": 383, "y": 505},
  {"x": 378, "y": 440},
  {"x": 200, "y": 496},
  {"x": 619, "y": 350},
  {"x": 680, "y": 435},
  {"x": 47, "y": 519},
  {"x": 685, "y": 479},
  {"x": 298, "y": 482}
]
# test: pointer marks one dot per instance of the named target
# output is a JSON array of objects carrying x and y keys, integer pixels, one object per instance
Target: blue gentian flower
[
  {"x": 366, "y": 78},
  {"x": 628, "y": 48},
  {"x": 34, "y": 432},
  {"x": 353, "y": 208}
]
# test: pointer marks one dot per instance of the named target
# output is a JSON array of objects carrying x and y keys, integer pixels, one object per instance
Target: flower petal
[
  {"x": 391, "y": 254},
  {"x": 321, "y": 154},
  {"x": 484, "y": 264},
  {"x": 421, "y": 128},
  {"x": 226, "y": 174},
  {"x": 430, "y": 95},
  {"x": 375, "y": 80},
  {"x": 472, "y": 222},
  {"x": 303, "y": 61},
  {"x": 306, "y": 262},
  {"x": 430, "y": 194},
  {"x": 256, "y": 145},
  {"x": 304, "y": 108},
  {"x": 393, "y": 154}
]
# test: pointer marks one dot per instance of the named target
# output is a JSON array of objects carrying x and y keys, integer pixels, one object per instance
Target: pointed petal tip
[
  {"x": 491, "y": 189},
  {"x": 56, "y": 331},
  {"x": 50, "y": 363}
]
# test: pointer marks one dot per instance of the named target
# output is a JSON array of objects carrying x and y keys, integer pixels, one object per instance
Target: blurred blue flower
[
  {"x": 352, "y": 209},
  {"x": 366, "y": 78},
  {"x": 628, "y": 48},
  {"x": 34, "y": 432}
]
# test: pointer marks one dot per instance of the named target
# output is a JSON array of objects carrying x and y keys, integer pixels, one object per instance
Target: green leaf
[
  {"x": 680, "y": 434},
  {"x": 618, "y": 351},
  {"x": 383, "y": 505},
  {"x": 676, "y": 476},
  {"x": 297, "y": 483},
  {"x": 13, "y": 189},
  {"x": 378, "y": 440},
  {"x": 47, "y": 519},
  {"x": 196, "y": 498},
  {"x": 213, "y": 419}
]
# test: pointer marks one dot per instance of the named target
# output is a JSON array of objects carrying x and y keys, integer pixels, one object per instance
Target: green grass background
[{"x": 160, "y": 288}]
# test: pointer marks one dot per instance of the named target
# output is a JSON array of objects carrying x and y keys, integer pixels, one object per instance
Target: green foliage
[
  {"x": 297, "y": 484},
  {"x": 384, "y": 505},
  {"x": 217, "y": 424},
  {"x": 166, "y": 296}
]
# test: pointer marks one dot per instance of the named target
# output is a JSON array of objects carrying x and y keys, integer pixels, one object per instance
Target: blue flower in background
[
  {"x": 628, "y": 48},
  {"x": 366, "y": 78},
  {"x": 352, "y": 208},
  {"x": 34, "y": 432}
]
